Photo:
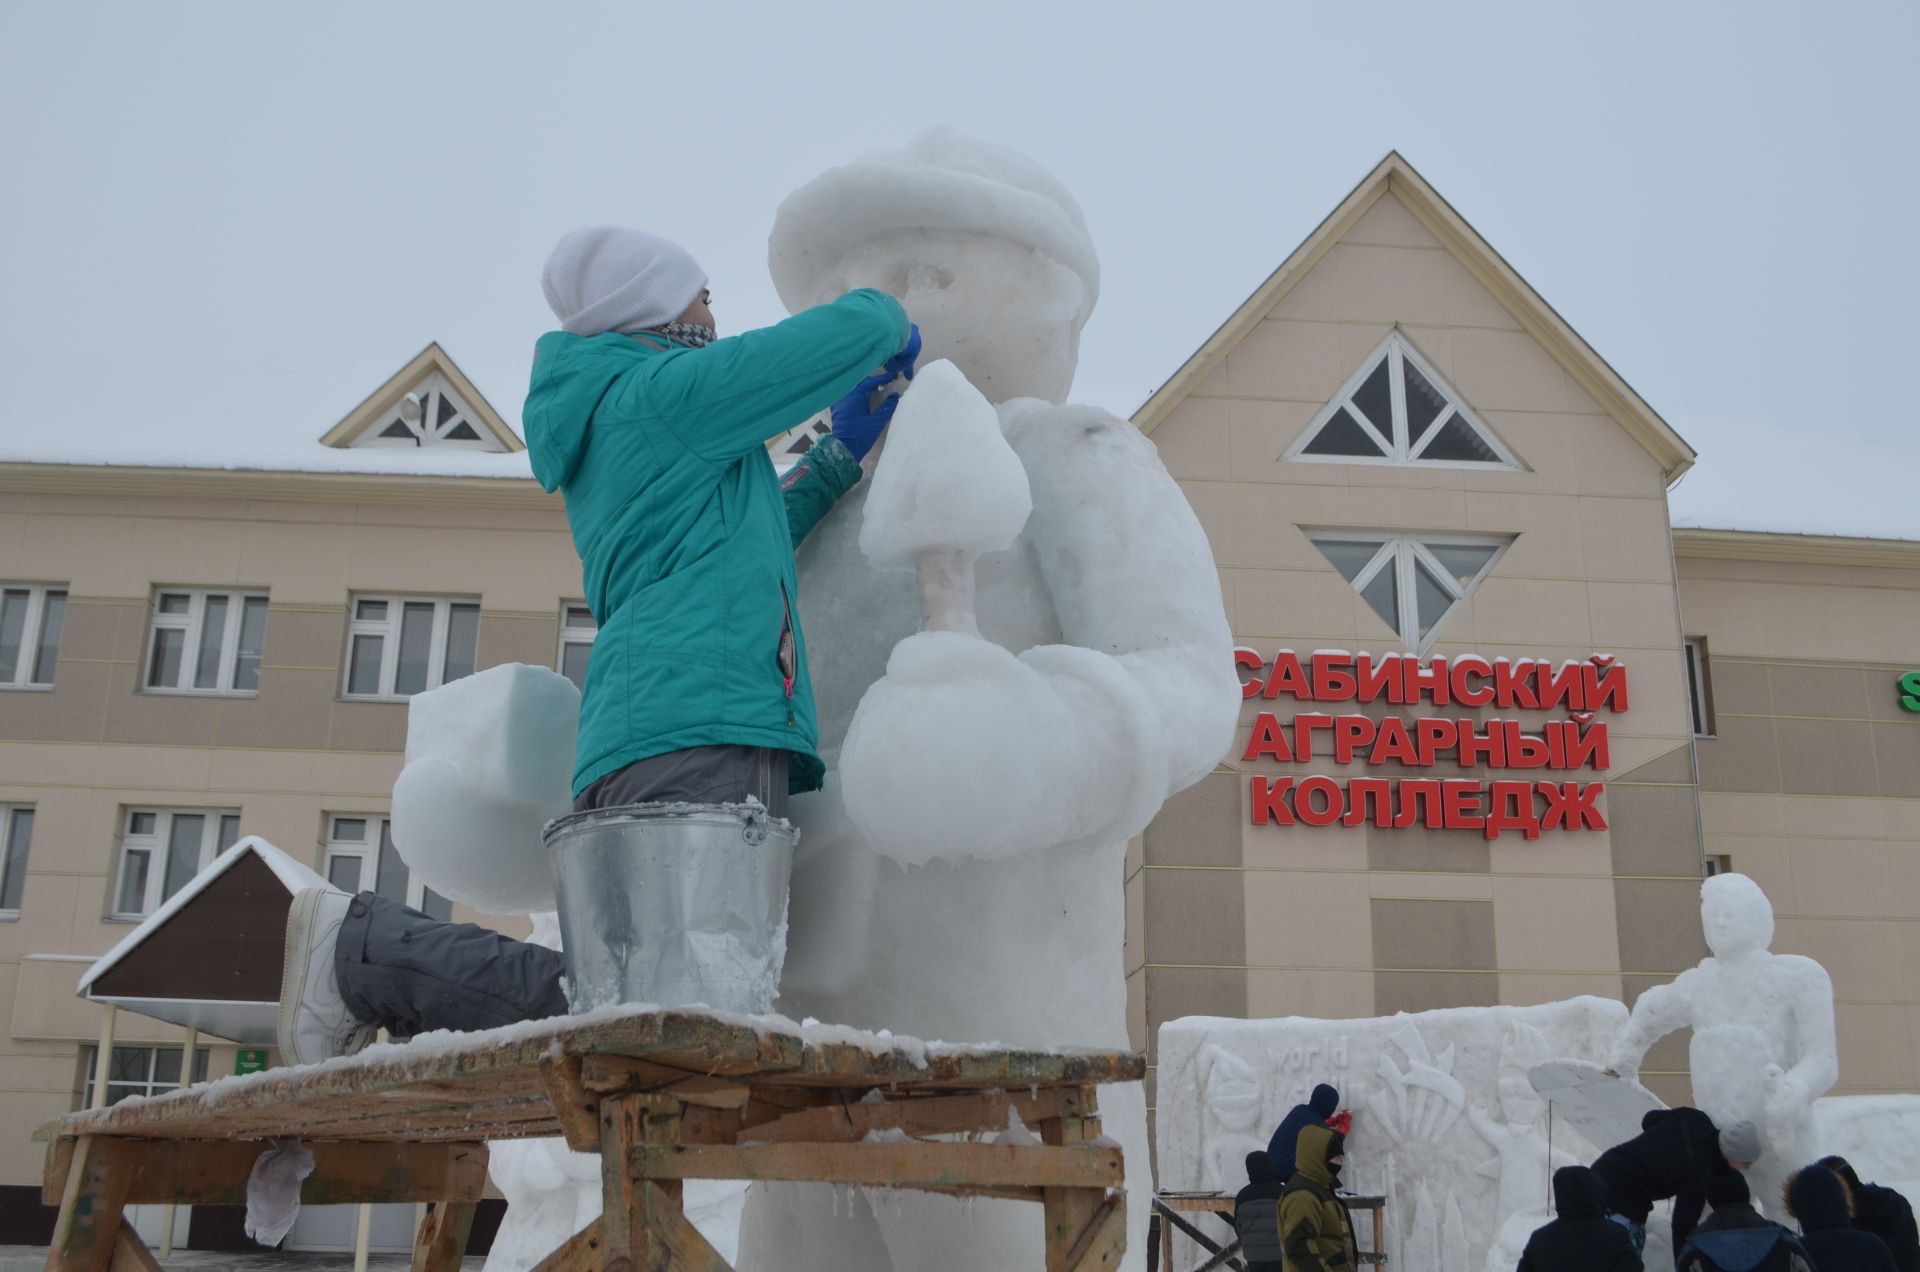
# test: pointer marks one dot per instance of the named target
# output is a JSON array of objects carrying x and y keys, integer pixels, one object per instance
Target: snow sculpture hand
[
  {"x": 489, "y": 763},
  {"x": 1787, "y": 1096}
]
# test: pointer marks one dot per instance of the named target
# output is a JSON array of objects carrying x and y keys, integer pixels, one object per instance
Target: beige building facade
[
  {"x": 1396, "y": 449},
  {"x": 1763, "y": 729}
]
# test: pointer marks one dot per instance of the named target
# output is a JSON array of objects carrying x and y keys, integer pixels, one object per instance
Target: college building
[{"x": 1501, "y": 718}]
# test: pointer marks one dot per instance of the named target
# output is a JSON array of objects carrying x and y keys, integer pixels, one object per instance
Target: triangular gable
[
  {"x": 1394, "y": 174},
  {"x": 379, "y": 407}
]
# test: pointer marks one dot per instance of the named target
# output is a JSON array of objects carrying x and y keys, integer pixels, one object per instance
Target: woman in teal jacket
[{"x": 655, "y": 432}]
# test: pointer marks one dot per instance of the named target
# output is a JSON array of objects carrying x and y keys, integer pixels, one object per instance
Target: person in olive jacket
[
  {"x": 1881, "y": 1211},
  {"x": 1580, "y": 1238},
  {"x": 1316, "y": 1233},
  {"x": 1256, "y": 1215}
]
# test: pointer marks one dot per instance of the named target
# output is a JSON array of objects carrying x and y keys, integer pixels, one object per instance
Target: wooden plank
[
  {"x": 673, "y": 1242},
  {"x": 919, "y": 1117},
  {"x": 214, "y": 1172},
  {"x": 130, "y": 1253},
  {"x": 88, "y": 1226},
  {"x": 634, "y": 1202},
  {"x": 906, "y": 1164},
  {"x": 441, "y": 1243},
  {"x": 606, "y": 1073},
  {"x": 578, "y": 1253},
  {"x": 1086, "y": 1228},
  {"x": 577, "y": 1109}
]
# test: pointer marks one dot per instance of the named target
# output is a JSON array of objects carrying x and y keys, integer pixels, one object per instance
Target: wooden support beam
[
  {"x": 918, "y": 1117},
  {"x": 634, "y": 1208},
  {"x": 577, "y": 1108},
  {"x": 578, "y": 1253},
  {"x": 905, "y": 1164},
  {"x": 607, "y": 1074},
  {"x": 130, "y": 1253},
  {"x": 1086, "y": 1228},
  {"x": 214, "y": 1172},
  {"x": 441, "y": 1243},
  {"x": 91, "y": 1199}
]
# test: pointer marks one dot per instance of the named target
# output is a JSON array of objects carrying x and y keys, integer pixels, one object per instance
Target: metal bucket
[{"x": 672, "y": 904}]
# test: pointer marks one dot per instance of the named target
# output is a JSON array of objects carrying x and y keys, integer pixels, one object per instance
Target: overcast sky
[{"x": 225, "y": 223}]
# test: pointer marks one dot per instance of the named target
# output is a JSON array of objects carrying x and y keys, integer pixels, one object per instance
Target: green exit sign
[
  {"x": 250, "y": 1060},
  {"x": 1910, "y": 691}
]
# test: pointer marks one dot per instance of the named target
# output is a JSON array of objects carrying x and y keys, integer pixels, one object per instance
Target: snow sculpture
[
  {"x": 1431, "y": 1093},
  {"x": 1108, "y": 598},
  {"x": 489, "y": 763},
  {"x": 1763, "y": 1044}
]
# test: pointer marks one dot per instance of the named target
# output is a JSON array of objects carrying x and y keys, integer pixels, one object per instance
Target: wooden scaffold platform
[{"x": 662, "y": 1096}]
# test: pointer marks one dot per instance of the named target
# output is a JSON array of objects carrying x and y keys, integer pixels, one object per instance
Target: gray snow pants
[{"x": 409, "y": 974}]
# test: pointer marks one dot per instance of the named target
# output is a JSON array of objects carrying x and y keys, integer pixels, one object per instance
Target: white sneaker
[{"x": 314, "y": 1023}]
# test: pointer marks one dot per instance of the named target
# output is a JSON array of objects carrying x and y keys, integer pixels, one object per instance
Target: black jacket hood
[
  {"x": 1819, "y": 1200},
  {"x": 1577, "y": 1191},
  {"x": 1259, "y": 1166},
  {"x": 1324, "y": 1101}
]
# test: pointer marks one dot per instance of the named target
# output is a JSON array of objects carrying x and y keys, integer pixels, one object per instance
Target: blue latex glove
[
  {"x": 902, "y": 362},
  {"x": 857, "y": 423}
]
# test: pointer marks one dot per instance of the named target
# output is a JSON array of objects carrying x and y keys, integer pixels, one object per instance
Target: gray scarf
[{"x": 687, "y": 333}]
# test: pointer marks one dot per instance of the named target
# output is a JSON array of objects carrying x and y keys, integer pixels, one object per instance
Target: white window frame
[
  {"x": 1699, "y": 691},
  {"x": 1401, "y": 450},
  {"x": 575, "y": 635},
  {"x": 192, "y": 624},
  {"x": 154, "y": 846},
  {"x": 389, "y": 629},
  {"x": 1399, "y": 552},
  {"x": 9, "y": 830},
  {"x": 426, "y": 430},
  {"x": 151, "y": 1084},
  {"x": 22, "y": 674},
  {"x": 367, "y": 851}
]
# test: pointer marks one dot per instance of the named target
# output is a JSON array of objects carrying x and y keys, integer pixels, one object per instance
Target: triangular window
[
  {"x": 1412, "y": 582},
  {"x": 1398, "y": 410},
  {"x": 431, "y": 414}
]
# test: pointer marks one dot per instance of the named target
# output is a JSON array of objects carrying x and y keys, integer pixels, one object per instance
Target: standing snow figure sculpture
[
  {"x": 1763, "y": 1037},
  {"x": 1009, "y": 922}
]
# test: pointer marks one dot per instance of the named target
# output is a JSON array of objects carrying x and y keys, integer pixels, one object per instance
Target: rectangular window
[
  {"x": 398, "y": 646},
  {"x": 163, "y": 849},
  {"x": 206, "y": 642},
  {"x": 1699, "y": 687},
  {"x": 361, "y": 858},
  {"x": 135, "y": 1071},
  {"x": 16, "y": 837},
  {"x": 1719, "y": 863},
  {"x": 577, "y": 630},
  {"x": 30, "y": 620}
]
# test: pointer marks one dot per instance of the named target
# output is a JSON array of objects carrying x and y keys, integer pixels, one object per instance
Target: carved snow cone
[{"x": 673, "y": 904}]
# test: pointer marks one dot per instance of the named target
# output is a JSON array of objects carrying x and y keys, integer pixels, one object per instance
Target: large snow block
[
  {"x": 489, "y": 763},
  {"x": 1445, "y": 1122}
]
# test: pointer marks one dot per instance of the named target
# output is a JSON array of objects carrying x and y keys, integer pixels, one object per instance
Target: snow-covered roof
[
  {"x": 291, "y": 874},
  {"x": 1782, "y": 481}
]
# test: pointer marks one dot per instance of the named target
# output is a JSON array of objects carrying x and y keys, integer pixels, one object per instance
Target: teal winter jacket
[{"x": 686, "y": 537}]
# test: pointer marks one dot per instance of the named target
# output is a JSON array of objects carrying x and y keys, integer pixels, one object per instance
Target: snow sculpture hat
[
  {"x": 607, "y": 278},
  {"x": 941, "y": 180}
]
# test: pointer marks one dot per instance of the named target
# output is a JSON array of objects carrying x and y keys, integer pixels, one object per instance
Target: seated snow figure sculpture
[
  {"x": 1108, "y": 589},
  {"x": 1763, "y": 1046},
  {"x": 489, "y": 763}
]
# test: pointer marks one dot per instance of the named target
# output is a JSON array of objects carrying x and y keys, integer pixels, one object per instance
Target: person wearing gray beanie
[
  {"x": 1740, "y": 1144},
  {"x": 607, "y": 278}
]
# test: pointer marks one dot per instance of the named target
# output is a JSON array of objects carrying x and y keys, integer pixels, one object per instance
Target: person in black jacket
[
  {"x": 1817, "y": 1198},
  {"x": 1735, "y": 1238},
  {"x": 1676, "y": 1153},
  {"x": 1581, "y": 1238},
  {"x": 1881, "y": 1211},
  {"x": 1315, "y": 1112},
  {"x": 1256, "y": 1215}
]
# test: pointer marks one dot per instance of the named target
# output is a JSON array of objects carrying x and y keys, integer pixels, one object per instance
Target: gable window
[
  {"x": 577, "y": 630},
  {"x": 1398, "y": 410},
  {"x": 16, "y": 837},
  {"x": 1699, "y": 688},
  {"x": 398, "y": 646},
  {"x": 430, "y": 415},
  {"x": 135, "y": 1071},
  {"x": 1413, "y": 582},
  {"x": 361, "y": 858},
  {"x": 163, "y": 849},
  {"x": 31, "y": 617},
  {"x": 206, "y": 642}
]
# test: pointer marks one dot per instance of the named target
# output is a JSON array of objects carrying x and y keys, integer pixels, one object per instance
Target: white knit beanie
[{"x": 606, "y": 278}]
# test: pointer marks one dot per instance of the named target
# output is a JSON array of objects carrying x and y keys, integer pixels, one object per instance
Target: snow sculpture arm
[
  {"x": 1816, "y": 1067},
  {"x": 1656, "y": 1013}
]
